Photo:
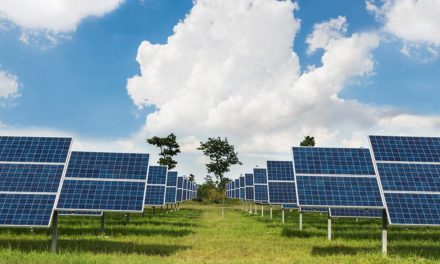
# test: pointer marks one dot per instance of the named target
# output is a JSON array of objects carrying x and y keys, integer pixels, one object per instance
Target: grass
[{"x": 197, "y": 234}]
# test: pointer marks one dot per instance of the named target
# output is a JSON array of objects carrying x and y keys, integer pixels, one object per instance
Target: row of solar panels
[
  {"x": 41, "y": 174},
  {"x": 399, "y": 174}
]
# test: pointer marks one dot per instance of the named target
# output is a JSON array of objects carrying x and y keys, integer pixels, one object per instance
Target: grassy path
[{"x": 197, "y": 234}]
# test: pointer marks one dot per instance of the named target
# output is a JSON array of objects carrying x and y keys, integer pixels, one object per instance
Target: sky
[{"x": 264, "y": 73}]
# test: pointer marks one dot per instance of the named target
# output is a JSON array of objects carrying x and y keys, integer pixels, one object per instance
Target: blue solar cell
[
  {"x": 355, "y": 213},
  {"x": 409, "y": 177},
  {"x": 170, "y": 197},
  {"x": 26, "y": 209},
  {"x": 248, "y": 179},
  {"x": 415, "y": 149},
  {"x": 180, "y": 182},
  {"x": 179, "y": 195},
  {"x": 155, "y": 195},
  {"x": 289, "y": 206},
  {"x": 103, "y": 165},
  {"x": 413, "y": 209},
  {"x": 249, "y": 193},
  {"x": 280, "y": 171},
  {"x": 313, "y": 210},
  {"x": 338, "y": 191},
  {"x": 172, "y": 179},
  {"x": 184, "y": 193},
  {"x": 260, "y": 193},
  {"x": 34, "y": 149},
  {"x": 260, "y": 176},
  {"x": 157, "y": 175},
  {"x": 282, "y": 193},
  {"x": 101, "y": 195},
  {"x": 341, "y": 161},
  {"x": 30, "y": 177}
]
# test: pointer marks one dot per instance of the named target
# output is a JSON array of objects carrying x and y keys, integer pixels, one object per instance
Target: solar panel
[
  {"x": 100, "y": 181},
  {"x": 31, "y": 172},
  {"x": 156, "y": 186},
  {"x": 260, "y": 185},
  {"x": 171, "y": 190},
  {"x": 289, "y": 206},
  {"x": 242, "y": 188},
  {"x": 313, "y": 210},
  {"x": 409, "y": 171},
  {"x": 336, "y": 177},
  {"x": 80, "y": 213},
  {"x": 237, "y": 189},
  {"x": 179, "y": 188},
  {"x": 185, "y": 189},
  {"x": 249, "y": 189},
  {"x": 281, "y": 183},
  {"x": 355, "y": 213}
]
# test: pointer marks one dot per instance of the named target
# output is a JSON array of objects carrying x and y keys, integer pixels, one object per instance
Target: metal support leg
[
  {"x": 384, "y": 232},
  {"x": 300, "y": 221},
  {"x": 54, "y": 232},
  {"x": 282, "y": 216},
  {"x": 103, "y": 223},
  {"x": 270, "y": 213},
  {"x": 262, "y": 210},
  {"x": 329, "y": 226}
]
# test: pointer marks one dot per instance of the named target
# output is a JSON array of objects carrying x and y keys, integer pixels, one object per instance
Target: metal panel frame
[
  {"x": 155, "y": 184},
  {"x": 281, "y": 181}
]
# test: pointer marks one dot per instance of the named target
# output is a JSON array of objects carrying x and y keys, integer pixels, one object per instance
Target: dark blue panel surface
[
  {"x": 341, "y": 161},
  {"x": 180, "y": 182},
  {"x": 280, "y": 171},
  {"x": 170, "y": 197},
  {"x": 260, "y": 176},
  {"x": 391, "y": 148},
  {"x": 314, "y": 210},
  {"x": 101, "y": 195},
  {"x": 242, "y": 183},
  {"x": 26, "y": 209},
  {"x": 179, "y": 195},
  {"x": 282, "y": 193},
  {"x": 103, "y": 165},
  {"x": 261, "y": 193},
  {"x": 243, "y": 193},
  {"x": 80, "y": 213},
  {"x": 184, "y": 195},
  {"x": 249, "y": 193},
  {"x": 30, "y": 177},
  {"x": 356, "y": 213},
  {"x": 409, "y": 177},
  {"x": 248, "y": 179},
  {"x": 289, "y": 206},
  {"x": 34, "y": 149},
  {"x": 157, "y": 175},
  {"x": 155, "y": 195},
  {"x": 338, "y": 191},
  {"x": 172, "y": 179},
  {"x": 413, "y": 209}
]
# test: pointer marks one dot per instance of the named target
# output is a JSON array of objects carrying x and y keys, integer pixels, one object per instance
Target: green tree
[
  {"x": 191, "y": 177},
  {"x": 168, "y": 149},
  {"x": 222, "y": 156},
  {"x": 308, "y": 142}
]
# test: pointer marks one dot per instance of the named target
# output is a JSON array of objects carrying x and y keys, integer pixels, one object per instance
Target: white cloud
[
  {"x": 8, "y": 85},
  {"x": 52, "y": 18},
  {"x": 416, "y": 23},
  {"x": 229, "y": 70}
]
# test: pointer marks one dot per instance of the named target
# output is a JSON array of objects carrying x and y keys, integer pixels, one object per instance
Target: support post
[
  {"x": 103, "y": 223},
  {"x": 300, "y": 220},
  {"x": 282, "y": 216},
  {"x": 250, "y": 208},
  {"x": 270, "y": 212},
  {"x": 384, "y": 232},
  {"x": 262, "y": 210},
  {"x": 329, "y": 226},
  {"x": 54, "y": 232}
]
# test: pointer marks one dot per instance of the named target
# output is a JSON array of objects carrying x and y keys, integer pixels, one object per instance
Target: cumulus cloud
[
  {"x": 230, "y": 69},
  {"x": 52, "y": 18},
  {"x": 416, "y": 23},
  {"x": 8, "y": 85}
]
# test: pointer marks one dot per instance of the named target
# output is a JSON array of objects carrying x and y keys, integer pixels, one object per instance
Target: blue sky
[{"x": 79, "y": 84}]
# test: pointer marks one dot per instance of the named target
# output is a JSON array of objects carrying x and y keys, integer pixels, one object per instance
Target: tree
[
  {"x": 222, "y": 156},
  {"x": 191, "y": 177},
  {"x": 168, "y": 149},
  {"x": 308, "y": 142}
]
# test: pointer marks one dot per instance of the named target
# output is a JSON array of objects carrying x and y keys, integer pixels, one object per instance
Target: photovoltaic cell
[
  {"x": 282, "y": 193},
  {"x": 280, "y": 171},
  {"x": 409, "y": 168},
  {"x": 260, "y": 185},
  {"x": 260, "y": 176},
  {"x": 313, "y": 210},
  {"x": 156, "y": 186},
  {"x": 281, "y": 183},
  {"x": 31, "y": 171},
  {"x": 171, "y": 190},
  {"x": 355, "y": 213},
  {"x": 157, "y": 175},
  {"x": 237, "y": 188},
  {"x": 249, "y": 193},
  {"x": 260, "y": 193}
]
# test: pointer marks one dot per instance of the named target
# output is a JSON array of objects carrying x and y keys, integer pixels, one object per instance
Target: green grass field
[{"x": 197, "y": 234}]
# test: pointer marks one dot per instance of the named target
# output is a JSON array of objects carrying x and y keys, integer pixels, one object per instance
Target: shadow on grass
[{"x": 94, "y": 246}]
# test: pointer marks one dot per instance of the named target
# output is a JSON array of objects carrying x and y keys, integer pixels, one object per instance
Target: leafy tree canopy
[
  {"x": 308, "y": 142},
  {"x": 168, "y": 149}
]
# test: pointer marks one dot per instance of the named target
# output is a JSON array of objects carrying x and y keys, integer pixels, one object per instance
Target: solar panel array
[
  {"x": 409, "y": 170},
  {"x": 336, "y": 177},
  {"x": 249, "y": 189},
  {"x": 31, "y": 172},
  {"x": 242, "y": 188},
  {"x": 171, "y": 188},
  {"x": 156, "y": 186},
  {"x": 260, "y": 185},
  {"x": 237, "y": 189},
  {"x": 179, "y": 189},
  {"x": 98, "y": 181},
  {"x": 281, "y": 183}
]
